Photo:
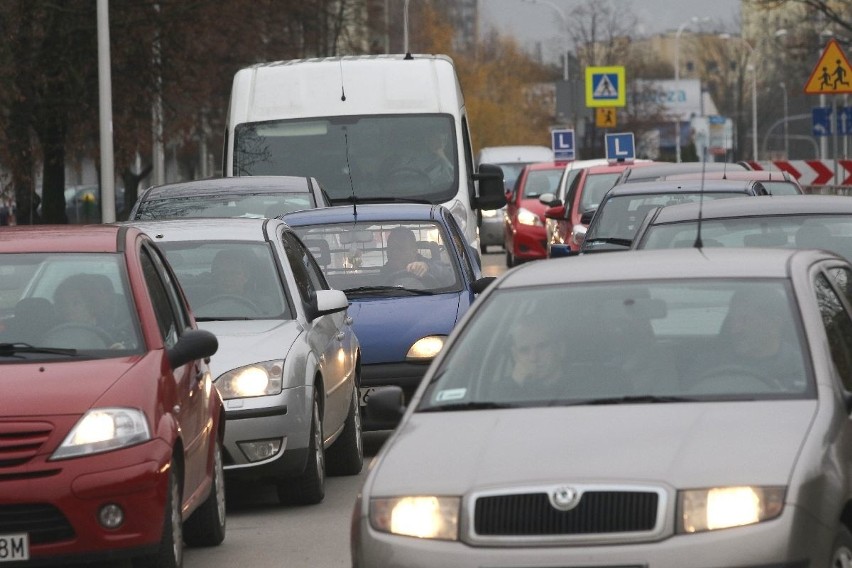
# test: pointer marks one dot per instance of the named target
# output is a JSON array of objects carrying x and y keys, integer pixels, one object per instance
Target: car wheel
[
  {"x": 841, "y": 552},
  {"x": 346, "y": 455},
  {"x": 309, "y": 487},
  {"x": 483, "y": 248},
  {"x": 510, "y": 259},
  {"x": 206, "y": 526},
  {"x": 170, "y": 551}
]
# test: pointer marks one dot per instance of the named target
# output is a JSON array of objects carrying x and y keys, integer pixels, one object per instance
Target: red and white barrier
[{"x": 812, "y": 172}]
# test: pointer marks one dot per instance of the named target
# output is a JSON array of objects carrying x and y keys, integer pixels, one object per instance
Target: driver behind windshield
[{"x": 403, "y": 256}]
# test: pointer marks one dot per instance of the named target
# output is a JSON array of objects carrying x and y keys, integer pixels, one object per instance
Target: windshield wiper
[
  {"x": 468, "y": 406},
  {"x": 611, "y": 241},
  {"x": 632, "y": 400},
  {"x": 230, "y": 318},
  {"x": 370, "y": 289},
  {"x": 9, "y": 349},
  {"x": 352, "y": 199}
]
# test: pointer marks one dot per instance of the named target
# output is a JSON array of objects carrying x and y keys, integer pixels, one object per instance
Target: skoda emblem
[{"x": 565, "y": 498}]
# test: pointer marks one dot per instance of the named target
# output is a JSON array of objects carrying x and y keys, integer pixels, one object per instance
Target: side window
[
  {"x": 468, "y": 157},
  {"x": 838, "y": 328},
  {"x": 459, "y": 242},
  {"x": 842, "y": 279},
  {"x": 172, "y": 288},
  {"x": 166, "y": 319},
  {"x": 299, "y": 262}
]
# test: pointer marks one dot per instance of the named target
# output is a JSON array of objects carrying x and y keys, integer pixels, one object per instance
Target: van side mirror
[{"x": 491, "y": 189}]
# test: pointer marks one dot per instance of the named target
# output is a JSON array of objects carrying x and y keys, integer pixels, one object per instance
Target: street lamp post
[
  {"x": 783, "y": 86},
  {"x": 753, "y": 68},
  {"x": 683, "y": 26}
]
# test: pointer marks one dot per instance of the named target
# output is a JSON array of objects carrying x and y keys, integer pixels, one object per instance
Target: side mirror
[
  {"x": 587, "y": 215},
  {"x": 481, "y": 284},
  {"x": 192, "y": 344},
  {"x": 578, "y": 234},
  {"x": 549, "y": 199},
  {"x": 560, "y": 251},
  {"x": 491, "y": 189},
  {"x": 556, "y": 212},
  {"x": 384, "y": 408},
  {"x": 329, "y": 302}
]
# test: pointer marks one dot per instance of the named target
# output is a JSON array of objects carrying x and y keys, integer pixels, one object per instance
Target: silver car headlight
[
  {"x": 103, "y": 430},
  {"x": 421, "y": 516},
  {"x": 257, "y": 379},
  {"x": 425, "y": 348},
  {"x": 527, "y": 217},
  {"x": 725, "y": 507}
]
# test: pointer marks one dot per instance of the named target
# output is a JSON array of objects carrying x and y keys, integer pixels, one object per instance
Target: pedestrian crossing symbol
[
  {"x": 605, "y": 87},
  {"x": 605, "y": 117},
  {"x": 832, "y": 74}
]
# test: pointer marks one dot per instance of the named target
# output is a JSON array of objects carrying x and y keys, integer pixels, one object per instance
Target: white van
[{"x": 362, "y": 125}]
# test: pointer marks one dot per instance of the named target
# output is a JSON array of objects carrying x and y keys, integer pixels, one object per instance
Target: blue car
[{"x": 409, "y": 275}]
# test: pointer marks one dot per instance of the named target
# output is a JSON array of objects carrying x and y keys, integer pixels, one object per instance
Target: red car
[
  {"x": 110, "y": 427},
  {"x": 584, "y": 194},
  {"x": 524, "y": 235}
]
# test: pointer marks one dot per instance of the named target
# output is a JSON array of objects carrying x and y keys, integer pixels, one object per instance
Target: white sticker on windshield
[{"x": 451, "y": 394}]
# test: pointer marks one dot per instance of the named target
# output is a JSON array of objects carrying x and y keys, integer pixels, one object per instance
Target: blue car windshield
[
  {"x": 383, "y": 256},
  {"x": 662, "y": 340}
]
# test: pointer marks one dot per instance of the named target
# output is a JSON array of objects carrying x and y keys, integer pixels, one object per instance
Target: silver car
[
  {"x": 656, "y": 408},
  {"x": 288, "y": 362}
]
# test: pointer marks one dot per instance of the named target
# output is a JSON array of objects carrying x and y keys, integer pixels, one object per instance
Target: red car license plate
[{"x": 14, "y": 547}]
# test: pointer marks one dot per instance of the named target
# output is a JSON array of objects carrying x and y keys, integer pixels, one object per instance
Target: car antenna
[
  {"x": 342, "y": 90},
  {"x": 699, "y": 244},
  {"x": 349, "y": 171}
]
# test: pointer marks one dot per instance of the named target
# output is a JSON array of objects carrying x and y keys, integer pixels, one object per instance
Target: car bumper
[
  {"x": 66, "y": 497},
  {"x": 529, "y": 243},
  {"x": 784, "y": 542},
  {"x": 285, "y": 418},
  {"x": 407, "y": 376}
]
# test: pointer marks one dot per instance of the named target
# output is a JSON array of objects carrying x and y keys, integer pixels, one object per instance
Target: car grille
[
  {"x": 43, "y": 523},
  {"x": 598, "y": 512},
  {"x": 20, "y": 441}
]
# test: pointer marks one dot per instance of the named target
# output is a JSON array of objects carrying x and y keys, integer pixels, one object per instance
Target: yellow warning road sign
[
  {"x": 832, "y": 74},
  {"x": 605, "y": 117}
]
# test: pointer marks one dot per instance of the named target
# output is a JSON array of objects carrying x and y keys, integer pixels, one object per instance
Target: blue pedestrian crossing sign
[
  {"x": 562, "y": 142},
  {"x": 605, "y": 87},
  {"x": 620, "y": 147}
]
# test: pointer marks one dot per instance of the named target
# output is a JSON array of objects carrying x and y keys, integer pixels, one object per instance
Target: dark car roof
[
  {"x": 372, "y": 212},
  {"x": 746, "y": 207},
  {"x": 229, "y": 185},
  {"x": 62, "y": 238},
  {"x": 657, "y": 170},
  {"x": 685, "y": 186}
]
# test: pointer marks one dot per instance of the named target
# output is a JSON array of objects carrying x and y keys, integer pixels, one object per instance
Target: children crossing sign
[
  {"x": 605, "y": 87},
  {"x": 832, "y": 74}
]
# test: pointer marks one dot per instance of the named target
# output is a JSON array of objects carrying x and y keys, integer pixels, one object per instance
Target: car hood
[
  {"x": 243, "y": 342},
  {"x": 387, "y": 327},
  {"x": 681, "y": 445},
  {"x": 58, "y": 387}
]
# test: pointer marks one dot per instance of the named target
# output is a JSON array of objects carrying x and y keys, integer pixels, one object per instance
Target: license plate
[
  {"x": 365, "y": 393},
  {"x": 14, "y": 547}
]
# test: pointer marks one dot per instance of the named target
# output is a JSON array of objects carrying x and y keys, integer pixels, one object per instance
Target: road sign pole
[{"x": 823, "y": 140}]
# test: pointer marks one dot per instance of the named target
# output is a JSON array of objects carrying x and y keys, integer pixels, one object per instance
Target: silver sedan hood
[
  {"x": 679, "y": 444},
  {"x": 250, "y": 341}
]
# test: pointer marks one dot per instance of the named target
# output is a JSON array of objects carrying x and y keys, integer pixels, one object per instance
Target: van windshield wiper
[
  {"x": 10, "y": 349},
  {"x": 468, "y": 406}
]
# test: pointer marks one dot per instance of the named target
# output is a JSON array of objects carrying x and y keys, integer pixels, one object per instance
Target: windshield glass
[
  {"x": 781, "y": 188},
  {"x": 594, "y": 189},
  {"x": 384, "y": 156},
  {"x": 68, "y": 301},
  {"x": 370, "y": 255},
  {"x": 540, "y": 182},
  {"x": 828, "y": 232},
  {"x": 227, "y": 280},
  {"x": 550, "y": 345},
  {"x": 511, "y": 171},
  {"x": 249, "y": 205},
  {"x": 619, "y": 217}
]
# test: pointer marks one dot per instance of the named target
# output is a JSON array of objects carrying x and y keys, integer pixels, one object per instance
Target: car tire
[
  {"x": 170, "y": 551},
  {"x": 308, "y": 488},
  {"x": 510, "y": 258},
  {"x": 206, "y": 526},
  {"x": 841, "y": 551},
  {"x": 483, "y": 248},
  {"x": 346, "y": 455}
]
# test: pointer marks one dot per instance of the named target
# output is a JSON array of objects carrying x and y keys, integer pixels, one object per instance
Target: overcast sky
[{"x": 532, "y": 22}]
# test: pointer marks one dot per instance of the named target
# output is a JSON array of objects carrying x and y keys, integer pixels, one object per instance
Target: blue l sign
[
  {"x": 620, "y": 147},
  {"x": 562, "y": 142}
]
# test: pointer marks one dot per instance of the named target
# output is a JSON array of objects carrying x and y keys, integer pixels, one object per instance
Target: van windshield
[{"x": 409, "y": 157}]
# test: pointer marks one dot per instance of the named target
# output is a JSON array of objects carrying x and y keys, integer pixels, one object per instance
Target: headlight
[
  {"x": 725, "y": 507},
  {"x": 490, "y": 212},
  {"x": 527, "y": 217},
  {"x": 423, "y": 517},
  {"x": 259, "y": 379},
  {"x": 103, "y": 430},
  {"x": 425, "y": 348}
]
